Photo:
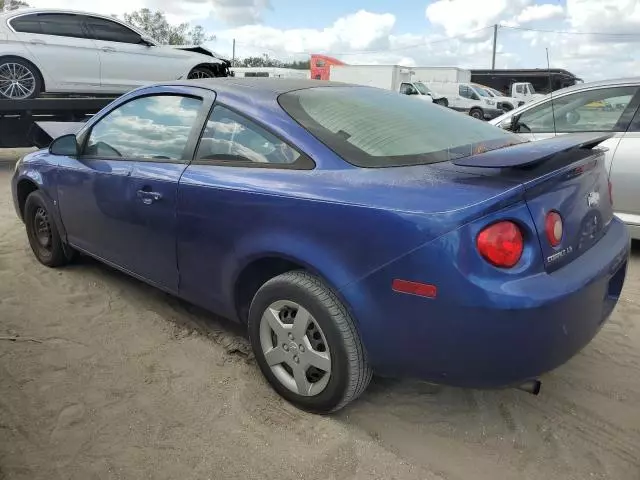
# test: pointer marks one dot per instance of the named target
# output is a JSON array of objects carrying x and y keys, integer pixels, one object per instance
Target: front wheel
[
  {"x": 200, "y": 72},
  {"x": 306, "y": 343},
  {"x": 477, "y": 113},
  {"x": 44, "y": 239}
]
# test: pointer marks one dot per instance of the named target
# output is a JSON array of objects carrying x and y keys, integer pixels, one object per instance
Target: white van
[{"x": 468, "y": 97}]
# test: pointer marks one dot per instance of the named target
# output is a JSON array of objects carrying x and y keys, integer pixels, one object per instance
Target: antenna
[{"x": 553, "y": 111}]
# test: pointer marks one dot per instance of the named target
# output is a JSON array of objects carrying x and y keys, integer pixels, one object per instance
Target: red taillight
[
  {"x": 553, "y": 228},
  {"x": 610, "y": 192},
  {"x": 501, "y": 244}
]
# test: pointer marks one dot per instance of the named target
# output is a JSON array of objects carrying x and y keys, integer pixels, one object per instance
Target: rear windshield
[{"x": 371, "y": 127}]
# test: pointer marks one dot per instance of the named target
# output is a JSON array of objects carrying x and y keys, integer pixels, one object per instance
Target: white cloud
[
  {"x": 614, "y": 16},
  {"x": 534, "y": 13},
  {"x": 459, "y": 17}
]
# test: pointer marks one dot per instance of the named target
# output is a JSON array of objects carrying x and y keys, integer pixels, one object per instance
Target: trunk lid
[{"x": 566, "y": 175}]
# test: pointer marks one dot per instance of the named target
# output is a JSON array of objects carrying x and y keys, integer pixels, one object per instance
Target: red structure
[{"x": 321, "y": 66}]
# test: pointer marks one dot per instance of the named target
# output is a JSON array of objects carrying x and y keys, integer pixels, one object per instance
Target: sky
[{"x": 594, "y": 39}]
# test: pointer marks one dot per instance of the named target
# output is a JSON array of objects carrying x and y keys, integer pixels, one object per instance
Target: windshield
[
  {"x": 422, "y": 88},
  {"x": 480, "y": 91},
  {"x": 530, "y": 87},
  {"x": 371, "y": 127},
  {"x": 494, "y": 92}
]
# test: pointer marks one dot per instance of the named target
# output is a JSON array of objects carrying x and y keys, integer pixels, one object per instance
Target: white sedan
[{"x": 56, "y": 51}]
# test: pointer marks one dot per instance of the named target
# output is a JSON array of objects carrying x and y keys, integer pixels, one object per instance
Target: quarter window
[
  {"x": 229, "y": 137},
  {"x": 109, "y": 31},
  {"x": 599, "y": 110},
  {"x": 154, "y": 127}
]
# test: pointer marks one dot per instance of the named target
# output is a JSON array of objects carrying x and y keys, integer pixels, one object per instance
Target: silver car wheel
[
  {"x": 199, "y": 73},
  {"x": 295, "y": 348},
  {"x": 16, "y": 81}
]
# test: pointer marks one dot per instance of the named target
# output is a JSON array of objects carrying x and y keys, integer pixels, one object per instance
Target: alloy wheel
[
  {"x": 16, "y": 81},
  {"x": 295, "y": 348}
]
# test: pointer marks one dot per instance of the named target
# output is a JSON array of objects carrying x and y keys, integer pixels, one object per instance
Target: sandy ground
[{"x": 111, "y": 379}]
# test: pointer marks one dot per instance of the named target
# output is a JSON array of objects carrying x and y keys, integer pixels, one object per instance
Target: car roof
[
  {"x": 28, "y": 10},
  {"x": 260, "y": 86}
]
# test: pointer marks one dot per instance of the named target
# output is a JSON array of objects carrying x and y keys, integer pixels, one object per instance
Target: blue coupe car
[{"x": 354, "y": 230}]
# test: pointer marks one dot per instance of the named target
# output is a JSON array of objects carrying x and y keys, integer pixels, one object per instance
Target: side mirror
[
  {"x": 66, "y": 145},
  {"x": 475, "y": 97},
  {"x": 510, "y": 124}
]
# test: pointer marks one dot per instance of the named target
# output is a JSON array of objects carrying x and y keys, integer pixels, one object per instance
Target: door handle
[
  {"x": 108, "y": 49},
  {"x": 35, "y": 41},
  {"x": 149, "y": 197}
]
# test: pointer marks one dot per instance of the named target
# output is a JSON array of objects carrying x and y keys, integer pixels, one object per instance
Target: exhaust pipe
[{"x": 531, "y": 386}]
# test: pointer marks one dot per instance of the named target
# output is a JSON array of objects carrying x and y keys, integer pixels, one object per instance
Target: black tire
[
  {"x": 476, "y": 113},
  {"x": 200, "y": 72},
  {"x": 350, "y": 372},
  {"x": 36, "y": 215},
  {"x": 35, "y": 87},
  {"x": 442, "y": 101}
]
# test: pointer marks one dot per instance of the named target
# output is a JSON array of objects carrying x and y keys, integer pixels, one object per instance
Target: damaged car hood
[{"x": 201, "y": 50}]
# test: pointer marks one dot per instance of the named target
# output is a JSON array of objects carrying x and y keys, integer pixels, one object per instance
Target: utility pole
[
  {"x": 233, "y": 54},
  {"x": 495, "y": 42}
]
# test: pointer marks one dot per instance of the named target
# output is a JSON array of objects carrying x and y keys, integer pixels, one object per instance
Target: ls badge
[{"x": 593, "y": 199}]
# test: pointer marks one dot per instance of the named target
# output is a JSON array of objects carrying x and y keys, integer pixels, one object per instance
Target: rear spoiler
[{"x": 529, "y": 153}]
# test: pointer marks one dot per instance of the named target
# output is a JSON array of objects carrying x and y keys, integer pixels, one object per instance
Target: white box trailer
[
  {"x": 441, "y": 74},
  {"x": 388, "y": 77}
]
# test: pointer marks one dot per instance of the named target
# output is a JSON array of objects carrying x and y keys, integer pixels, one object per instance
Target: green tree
[
  {"x": 12, "y": 4},
  {"x": 263, "y": 61},
  {"x": 157, "y": 27}
]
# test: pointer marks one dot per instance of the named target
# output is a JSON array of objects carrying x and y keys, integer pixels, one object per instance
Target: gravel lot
[{"x": 104, "y": 377}]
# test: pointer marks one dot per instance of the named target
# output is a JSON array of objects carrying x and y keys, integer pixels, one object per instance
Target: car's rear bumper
[{"x": 515, "y": 331}]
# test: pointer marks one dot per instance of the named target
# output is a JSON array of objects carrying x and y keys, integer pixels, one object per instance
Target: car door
[
  {"x": 625, "y": 177},
  {"x": 62, "y": 49},
  {"x": 597, "y": 109},
  {"x": 118, "y": 198},
  {"x": 127, "y": 61},
  {"x": 234, "y": 156},
  {"x": 465, "y": 98}
]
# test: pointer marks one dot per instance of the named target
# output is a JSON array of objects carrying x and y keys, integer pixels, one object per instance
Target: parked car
[
  {"x": 606, "y": 106},
  {"x": 354, "y": 229},
  {"x": 467, "y": 97},
  {"x": 506, "y": 104},
  {"x": 59, "y": 51}
]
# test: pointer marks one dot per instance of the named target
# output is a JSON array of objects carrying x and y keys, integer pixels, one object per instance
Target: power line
[
  {"x": 565, "y": 32},
  {"x": 361, "y": 52}
]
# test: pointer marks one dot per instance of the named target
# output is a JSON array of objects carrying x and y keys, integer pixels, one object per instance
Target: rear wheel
[
  {"x": 477, "y": 113},
  {"x": 200, "y": 72},
  {"x": 306, "y": 344},
  {"x": 18, "y": 79},
  {"x": 43, "y": 235}
]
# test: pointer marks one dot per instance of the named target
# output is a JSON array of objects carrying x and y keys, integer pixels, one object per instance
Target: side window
[
  {"x": 519, "y": 88},
  {"x": 463, "y": 91},
  {"x": 58, "y": 24},
  {"x": 26, "y": 24},
  {"x": 405, "y": 89},
  {"x": 154, "y": 127},
  {"x": 599, "y": 110},
  {"x": 229, "y": 137},
  {"x": 109, "y": 31}
]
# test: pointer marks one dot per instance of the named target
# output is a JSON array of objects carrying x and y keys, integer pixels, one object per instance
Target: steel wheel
[
  {"x": 42, "y": 228},
  {"x": 17, "y": 81},
  {"x": 295, "y": 348}
]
